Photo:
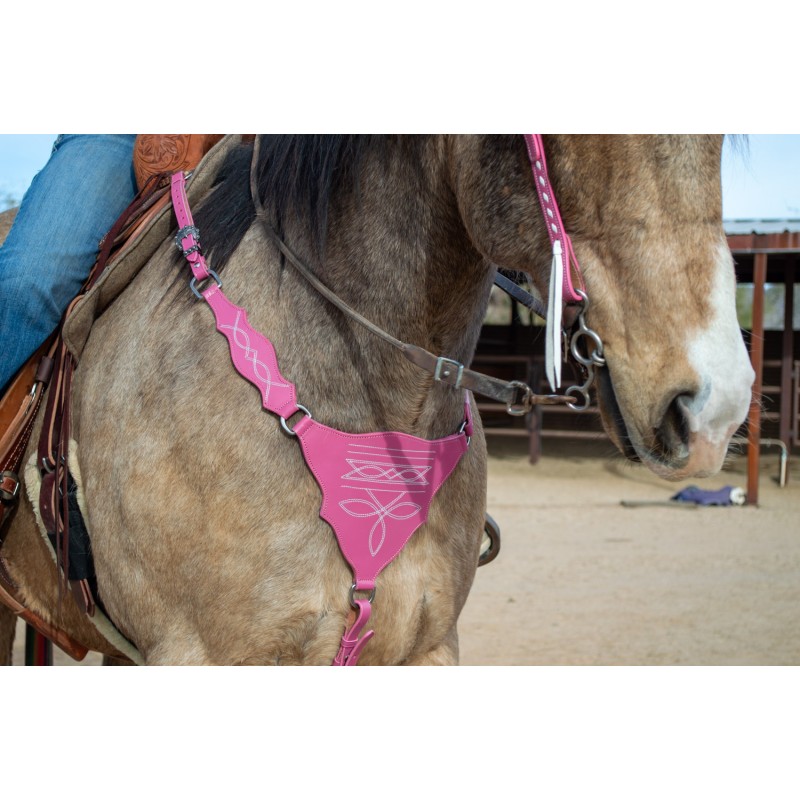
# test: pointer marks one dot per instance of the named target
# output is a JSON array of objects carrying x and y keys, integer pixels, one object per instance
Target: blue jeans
[{"x": 71, "y": 204}]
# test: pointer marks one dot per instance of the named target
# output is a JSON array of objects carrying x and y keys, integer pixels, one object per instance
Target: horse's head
[{"x": 645, "y": 217}]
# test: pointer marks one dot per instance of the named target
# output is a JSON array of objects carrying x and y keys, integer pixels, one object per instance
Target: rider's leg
[{"x": 71, "y": 204}]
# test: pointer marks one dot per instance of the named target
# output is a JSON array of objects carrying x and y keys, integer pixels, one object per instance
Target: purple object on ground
[{"x": 726, "y": 496}]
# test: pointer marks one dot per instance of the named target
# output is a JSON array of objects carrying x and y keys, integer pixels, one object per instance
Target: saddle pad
[
  {"x": 122, "y": 269},
  {"x": 99, "y": 620}
]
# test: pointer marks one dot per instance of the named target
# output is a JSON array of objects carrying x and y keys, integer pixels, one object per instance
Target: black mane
[{"x": 296, "y": 175}]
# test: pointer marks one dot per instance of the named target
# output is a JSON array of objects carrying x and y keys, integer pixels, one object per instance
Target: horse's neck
[
  {"x": 401, "y": 259},
  {"x": 404, "y": 258}
]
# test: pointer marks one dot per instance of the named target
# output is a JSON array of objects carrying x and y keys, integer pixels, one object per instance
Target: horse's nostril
[{"x": 672, "y": 433}]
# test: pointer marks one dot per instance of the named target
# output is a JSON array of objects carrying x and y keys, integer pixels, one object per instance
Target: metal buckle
[
  {"x": 6, "y": 495},
  {"x": 441, "y": 372},
  {"x": 523, "y": 406},
  {"x": 193, "y": 285},
  {"x": 184, "y": 233}
]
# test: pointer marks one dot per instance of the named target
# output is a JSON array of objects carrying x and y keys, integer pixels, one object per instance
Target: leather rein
[{"x": 518, "y": 397}]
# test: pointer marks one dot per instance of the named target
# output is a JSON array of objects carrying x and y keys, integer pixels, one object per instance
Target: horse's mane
[{"x": 297, "y": 175}]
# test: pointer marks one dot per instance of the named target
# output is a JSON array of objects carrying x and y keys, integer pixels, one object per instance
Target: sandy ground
[{"x": 582, "y": 579}]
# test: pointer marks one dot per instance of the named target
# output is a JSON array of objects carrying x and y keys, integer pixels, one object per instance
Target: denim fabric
[{"x": 71, "y": 204}]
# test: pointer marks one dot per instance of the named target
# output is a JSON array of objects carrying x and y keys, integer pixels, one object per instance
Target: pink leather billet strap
[
  {"x": 376, "y": 488},
  {"x": 188, "y": 238},
  {"x": 252, "y": 354},
  {"x": 351, "y": 646},
  {"x": 552, "y": 216}
]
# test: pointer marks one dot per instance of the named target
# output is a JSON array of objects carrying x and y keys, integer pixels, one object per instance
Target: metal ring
[
  {"x": 462, "y": 429},
  {"x": 596, "y": 356},
  {"x": 353, "y": 590},
  {"x": 586, "y": 399},
  {"x": 283, "y": 419},
  {"x": 211, "y": 276}
]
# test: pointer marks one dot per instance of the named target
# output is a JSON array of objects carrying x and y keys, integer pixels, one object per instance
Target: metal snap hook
[{"x": 522, "y": 407}]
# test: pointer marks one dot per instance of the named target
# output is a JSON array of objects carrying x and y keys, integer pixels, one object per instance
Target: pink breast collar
[
  {"x": 376, "y": 491},
  {"x": 376, "y": 487}
]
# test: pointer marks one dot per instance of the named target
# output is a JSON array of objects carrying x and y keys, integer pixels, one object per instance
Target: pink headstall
[{"x": 552, "y": 217}]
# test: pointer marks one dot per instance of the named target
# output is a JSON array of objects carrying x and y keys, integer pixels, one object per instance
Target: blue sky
[{"x": 760, "y": 180}]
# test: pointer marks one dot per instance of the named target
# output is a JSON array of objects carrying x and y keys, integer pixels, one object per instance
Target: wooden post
[
  {"x": 757, "y": 360},
  {"x": 787, "y": 359},
  {"x": 535, "y": 416}
]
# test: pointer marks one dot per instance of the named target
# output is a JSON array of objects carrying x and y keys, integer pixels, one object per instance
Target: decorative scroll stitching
[
  {"x": 251, "y": 355},
  {"x": 382, "y": 511},
  {"x": 378, "y": 472}
]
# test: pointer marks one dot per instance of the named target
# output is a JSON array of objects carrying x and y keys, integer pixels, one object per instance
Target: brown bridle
[{"x": 517, "y": 396}]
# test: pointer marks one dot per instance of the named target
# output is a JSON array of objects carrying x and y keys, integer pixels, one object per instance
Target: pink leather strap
[
  {"x": 252, "y": 354},
  {"x": 188, "y": 237},
  {"x": 552, "y": 216},
  {"x": 351, "y": 645}
]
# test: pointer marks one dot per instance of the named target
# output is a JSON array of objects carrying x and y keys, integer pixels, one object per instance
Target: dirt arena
[{"x": 582, "y": 579}]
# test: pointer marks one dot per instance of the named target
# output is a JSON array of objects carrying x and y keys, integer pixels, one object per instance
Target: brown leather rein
[{"x": 517, "y": 396}]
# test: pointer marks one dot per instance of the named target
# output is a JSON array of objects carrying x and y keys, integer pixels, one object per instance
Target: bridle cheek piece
[
  {"x": 377, "y": 488},
  {"x": 562, "y": 289}
]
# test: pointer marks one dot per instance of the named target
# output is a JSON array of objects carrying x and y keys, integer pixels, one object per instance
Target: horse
[{"x": 205, "y": 524}]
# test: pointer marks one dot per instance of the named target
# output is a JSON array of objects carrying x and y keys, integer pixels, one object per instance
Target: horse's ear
[{"x": 169, "y": 152}]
